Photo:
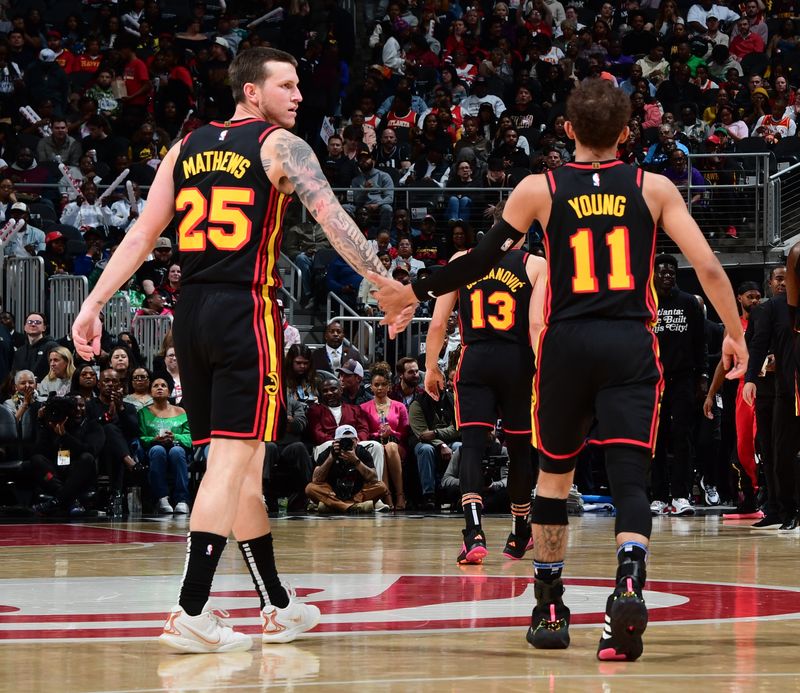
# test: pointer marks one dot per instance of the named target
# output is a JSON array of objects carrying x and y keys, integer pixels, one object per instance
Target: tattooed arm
[{"x": 291, "y": 166}]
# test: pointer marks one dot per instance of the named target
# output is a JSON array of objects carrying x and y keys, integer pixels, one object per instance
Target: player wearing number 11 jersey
[
  {"x": 597, "y": 370},
  {"x": 227, "y": 185}
]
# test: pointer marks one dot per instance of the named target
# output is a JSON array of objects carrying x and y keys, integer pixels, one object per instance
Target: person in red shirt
[
  {"x": 137, "y": 80},
  {"x": 89, "y": 61},
  {"x": 64, "y": 58},
  {"x": 745, "y": 41}
]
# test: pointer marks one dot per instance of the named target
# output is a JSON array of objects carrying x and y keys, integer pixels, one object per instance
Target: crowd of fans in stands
[{"x": 455, "y": 103}]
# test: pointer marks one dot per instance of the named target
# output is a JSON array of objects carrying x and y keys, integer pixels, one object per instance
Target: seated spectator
[
  {"x": 383, "y": 243},
  {"x": 58, "y": 380},
  {"x": 657, "y": 154},
  {"x": 166, "y": 438},
  {"x": 343, "y": 281},
  {"x": 153, "y": 272},
  {"x": 93, "y": 259},
  {"x": 25, "y": 170},
  {"x": 472, "y": 146},
  {"x": 758, "y": 106},
  {"x": 300, "y": 375},
  {"x": 59, "y": 146},
  {"x": 339, "y": 168},
  {"x": 84, "y": 382},
  {"x": 459, "y": 238},
  {"x": 434, "y": 434},
  {"x": 684, "y": 176},
  {"x": 647, "y": 110},
  {"x": 372, "y": 189},
  {"x": 344, "y": 479},
  {"x": 405, "y": 252},
  {"x": 291, "y": 335},
  {"x": 775, "y": 127},
  {"x": 331, "y": 411},
  {"x": 494, "y": 491},
  {"x": 153, "y": 305},
  {"x": 123, "y": 215},
  {"x": 367, "y": 303},
  {"x": 734, "y": 127},
  {"x": 29, "y": 241},
  {"x": 387, "y": 420},
  {"x": 407, "y": 388},
  {"x": 64, "y": 461},
  {"x": 335, "y": 352},
  {"x": 25, "y": 395},
  {"x": 691, "y": 127},
  {"x": 45, "y": 79},
  {"x": 56, "y": 260},
  {"x": 32, "y": 355},
  {"x": 139, "y": 389},
  {"x": 678, "y": 89},
  {"x": 351, "y": 376},
  {"x": 120, "y": 359},
  {"x": 170, "y": 290},
  {"x": 7, "y": 198},
  {"x": 401, "y": 227},
  {"x": 429, "y": 246},
  {"x": 744, "y": 41},
  {"x": 86, "y": 212},
  {"x": 390, "y": 154},
  {"x": 459, "y": 203}
]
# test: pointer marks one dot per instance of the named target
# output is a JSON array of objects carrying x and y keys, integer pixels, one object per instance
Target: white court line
[{"x": 446, "y": 679}]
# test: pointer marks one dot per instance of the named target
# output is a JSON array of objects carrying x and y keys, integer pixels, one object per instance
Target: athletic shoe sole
[
  {"x": 628, "y": 622},
  {"x": 548, "y": 639},
  {"x": 474, "y": 556},
  {"x": 291, "y": 632},
  {"x": 190, "y": 646},
  {"x": 757, "y": 515}
]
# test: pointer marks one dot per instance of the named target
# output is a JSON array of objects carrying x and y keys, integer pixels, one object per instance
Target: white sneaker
[
  {"x": 712, "y": 497},
  {"x": 681, "y": 506},
  {"x": 381, "y": 507},
  {"x": 658, "y": 507},
  {"x": 164, "y": 506},
  {"x": 284, "y": 625},
  {"x": 205, "y": 632},
  {"x": 181, "y": 508}
]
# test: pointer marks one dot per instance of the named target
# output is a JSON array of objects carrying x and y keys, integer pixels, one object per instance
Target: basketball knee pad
[
  {"x": 549, "y": 511},
  {"x": 551, "y": 465}
]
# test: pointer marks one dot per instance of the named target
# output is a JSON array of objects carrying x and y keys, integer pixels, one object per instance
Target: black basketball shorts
[
  {"x": 602, "y": 376},
  {"x": 229, "y": 344},
  {"x": 494, "y": 381}
]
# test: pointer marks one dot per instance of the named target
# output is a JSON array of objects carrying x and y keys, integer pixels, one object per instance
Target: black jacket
[
  {"x": 769, "y": 326},
  {"x": 82, "y": 437},
  {"x": 33, "y": 357}
]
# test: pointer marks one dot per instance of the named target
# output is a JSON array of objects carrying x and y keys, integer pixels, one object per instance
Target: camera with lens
[
  {"x": 58, "y": 409},
  {"x": 346, "y": 444},
  {"x": 492, "y": 468}
]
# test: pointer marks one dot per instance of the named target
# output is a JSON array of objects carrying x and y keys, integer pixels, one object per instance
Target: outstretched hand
[
  {"x": 396, "y": 300},
  {"x": 734, "y": 357},
  {"x": 86, "y": 332}
]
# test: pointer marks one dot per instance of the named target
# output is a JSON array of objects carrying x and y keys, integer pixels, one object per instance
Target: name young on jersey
[
  {"x": 598, "y": 204},
  {"x": 504, "y": 276},
  {"x": 214, "y": 160}
]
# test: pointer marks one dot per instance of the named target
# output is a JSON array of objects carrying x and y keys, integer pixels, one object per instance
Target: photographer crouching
[
  {"x": 344, "y": 478},
  {"x": 64, "y": 462}
]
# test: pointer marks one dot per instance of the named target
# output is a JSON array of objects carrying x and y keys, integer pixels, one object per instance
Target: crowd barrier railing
[
  {"x": 784, "y": 205},
  {"x": 67, "y": 293},
  {"x": 150, "y": 331},
  {"x": 117, "y": 315},
  {"x": 23, "y": 290}
]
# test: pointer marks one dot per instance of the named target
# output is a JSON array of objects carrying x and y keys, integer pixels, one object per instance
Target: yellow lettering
[
  {"x": 189, "y": 168},
  {"x": 619, "y": 206},
  {"x": 597, "y": 204},
  {"x": 586, "y": 206},
  {"x": 574, "y": 204},
  {"x": 608, "y": 204},
  {"x": 200, "y": 162},
  {"x": 226, "y": 160}
]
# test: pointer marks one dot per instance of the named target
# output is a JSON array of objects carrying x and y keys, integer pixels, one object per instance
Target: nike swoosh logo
[{"x": 200, "y": 636}]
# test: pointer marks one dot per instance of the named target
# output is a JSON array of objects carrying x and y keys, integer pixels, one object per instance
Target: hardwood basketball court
[{"x": 81, "y": 604}]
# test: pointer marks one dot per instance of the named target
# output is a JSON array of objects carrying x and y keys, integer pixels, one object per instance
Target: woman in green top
[{"x": 165, "y": 436}]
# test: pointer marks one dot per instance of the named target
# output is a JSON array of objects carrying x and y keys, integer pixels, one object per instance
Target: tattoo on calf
[
  {"x": 550, "y": 542},
  {"x": 303, "y": 170}
]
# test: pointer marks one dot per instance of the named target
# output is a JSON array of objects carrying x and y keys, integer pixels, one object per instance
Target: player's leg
[
  {"x": 475, "y": 440},
  {"x": 284, "y": 618},
  {"x": 191, "y": 626},
  {"x": 520, "y": 484},
  {"x": 549, "y": 629},
  {"x": 626, "y": 612}
]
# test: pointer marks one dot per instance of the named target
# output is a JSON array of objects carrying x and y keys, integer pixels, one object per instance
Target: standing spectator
[
  {"x": 33, "y": 354},
  {"x": 165, "y": 435},
  {"x": 137, "y": 84},
  {"x": 373, "y": 189},
  {"x": 351, "y": 376},
  {"x": 335, "y": 352},
  {"x": 59, "y": 147},
  {"x": 680, "y": 332},
  {"x": 58, "y": 380}
]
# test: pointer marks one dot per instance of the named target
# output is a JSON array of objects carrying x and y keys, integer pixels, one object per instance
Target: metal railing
[
  {"x": 67, "y": 293},
  {"x": 24, "y": 287},
  {"x": 292, "y": 288},
  {"x": 117, "y": 314},
  {"x": 150, "y": 331},
  {"x": 783, "y": 212}
]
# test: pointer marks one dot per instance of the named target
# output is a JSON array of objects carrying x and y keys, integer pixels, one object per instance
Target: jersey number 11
[{"x": 584, "y": 279}]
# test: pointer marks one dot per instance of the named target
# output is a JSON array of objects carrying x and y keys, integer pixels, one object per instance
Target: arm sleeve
[{"x": 471, "y": 266}]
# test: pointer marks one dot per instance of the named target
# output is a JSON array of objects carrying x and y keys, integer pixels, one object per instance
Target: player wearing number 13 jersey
[
  {"x": 227, "y": 184},
  {"x": 596, "y": 369}
]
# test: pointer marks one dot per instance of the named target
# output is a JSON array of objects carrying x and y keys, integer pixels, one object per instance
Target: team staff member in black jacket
[
  {"x": 770, "y": 325},
  {"x": 681, "y": 344}
]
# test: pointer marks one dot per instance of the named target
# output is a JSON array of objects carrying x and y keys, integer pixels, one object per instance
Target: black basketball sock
[
  {"x": 472, "y": 505},
  {"x": 548, "y": 572},
  {"x": 520, "y": 526},
  {"x": 260, "y": 559},
  {"x": 203, "y": 550}
]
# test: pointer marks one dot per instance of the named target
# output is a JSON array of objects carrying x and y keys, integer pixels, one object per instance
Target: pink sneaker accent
[
  {"x": 553, "y": 612},
  {"x": 630, "y": 585},
  {"x": 476, "y": 555},
  {"x": 757, "y": 515},
  {"x": 609, "y": 654}
]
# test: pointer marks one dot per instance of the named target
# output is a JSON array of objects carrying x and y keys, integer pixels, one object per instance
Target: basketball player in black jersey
[
  {"x": 498, "y": 322},
  {"x": 227, "y": 185},
  {"x": 597, "y": 358}
]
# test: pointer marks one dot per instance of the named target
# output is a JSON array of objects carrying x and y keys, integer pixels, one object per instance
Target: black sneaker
[
  {"x": 549, "y": 628},
  {"x": 767, "y": 522},
  {"x": 517, "y": 546},
  {"x": 48, "y": 508},
  {"x": 626, "y": 616},
  {"x": 473, "y": 550}
]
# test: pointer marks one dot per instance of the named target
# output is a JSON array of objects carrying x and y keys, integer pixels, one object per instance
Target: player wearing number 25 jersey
[{"x": 600, "y": 242}]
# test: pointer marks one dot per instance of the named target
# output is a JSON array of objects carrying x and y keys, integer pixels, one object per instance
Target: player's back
[
  {"x": 600, "y": 244},
  {"x": 495, "y": 308},
  {"x": 227, "y": 212}
]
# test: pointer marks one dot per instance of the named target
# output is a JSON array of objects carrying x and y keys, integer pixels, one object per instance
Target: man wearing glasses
[{"x": 32, "y": 355}]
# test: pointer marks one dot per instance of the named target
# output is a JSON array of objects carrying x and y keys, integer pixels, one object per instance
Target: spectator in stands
[
  {"x": 84, "y": 382},
  {"x": 165, "y": 435},
  {"x": 388, "y": 423},
  {"x": 405, "y": 252},
  {"x": 373, "y": 189},
  {"x": 783, "y": 42},
  {"x": 638, "y": 41},
  {"x": 393, "y": 54},
  {"x": 699, "y": 13},
  {"x": 153, "y": 305},
  {"x": 137, "y": 84},
  {"x": 351, "y": 376},
  {"x": 657, "y": 153},
  {"x": 139, "y": 388},
  {"x": 153, "y": 272},
  {"x": 123, "y": 214},
  {"x": 58, "y": 380},
  {"x": 472, "y": 145},
  {"x": 678, "y": 89},
  {"x": 25, "y": 396},
  {"x": 84, "y": 171},
  {"x": 774, "y": 127},
  {"x": 734, "y": 127},
  {"x": 407, "y": 388},
  {"x": 401, "y": 117},
  {"x": 170, "y": 290},
  {"x": 300, "y": 375},
  {"x": 45, "y": 79},
  {"x": 339, "y": 169},
  {"x": 7, "y": 321},
  {"x": 86, "y": 211},
  {"x": 64, "y": 461},
  {"x": 18, "y": 52},
  {"x": 29, "y": 241},
  {"x": 390, "y": 153},
  {"x": 684, "y": 176},
  {"x": 459, "y": 203},
  {"x": 121, "y": 360},
  {"x": 757, "y": 108},
  {"x": 171, "y": 365},
  {"x": 32, "y": 355},
  {"x": 343, "y": 281},
  {"x": 59, "y": 147},
  {"x": 429, "y": 246},
  {"x": 291, "y": 335},
  {"x": 7, "y": 198},
  {"x": 681, "y": 341},
  {"x": 744, "y": 41},
  {"x": 344, "y": 479},
  {"x": 335, "y": 352},
  {"x": 654, "y": 67},
  {"x": 691, "y": 127}
]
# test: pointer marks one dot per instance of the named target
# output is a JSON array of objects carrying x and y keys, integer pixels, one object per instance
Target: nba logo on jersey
[
  {"x": 209, "y": 550},
  {"x": 223, "y": 135},
  {"x": 596, "y": 180}
]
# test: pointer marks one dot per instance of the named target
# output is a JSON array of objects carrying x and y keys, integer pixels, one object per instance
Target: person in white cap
[
  {"x": 344, "y": 478},
  {"x": 29, "y": 241}
]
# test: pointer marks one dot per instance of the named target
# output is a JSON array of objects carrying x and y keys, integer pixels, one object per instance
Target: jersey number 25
[{"x": 224, "y": 207}]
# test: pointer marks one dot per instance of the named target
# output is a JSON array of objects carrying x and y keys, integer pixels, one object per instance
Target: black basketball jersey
[
  {"x": 495, "y": 308},
  {"x": 227, "y": 212},
  {"x": 600, "y": 243}
]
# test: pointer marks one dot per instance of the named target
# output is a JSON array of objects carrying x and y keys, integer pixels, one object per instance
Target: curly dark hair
[{"x": 598, "y": 112}]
